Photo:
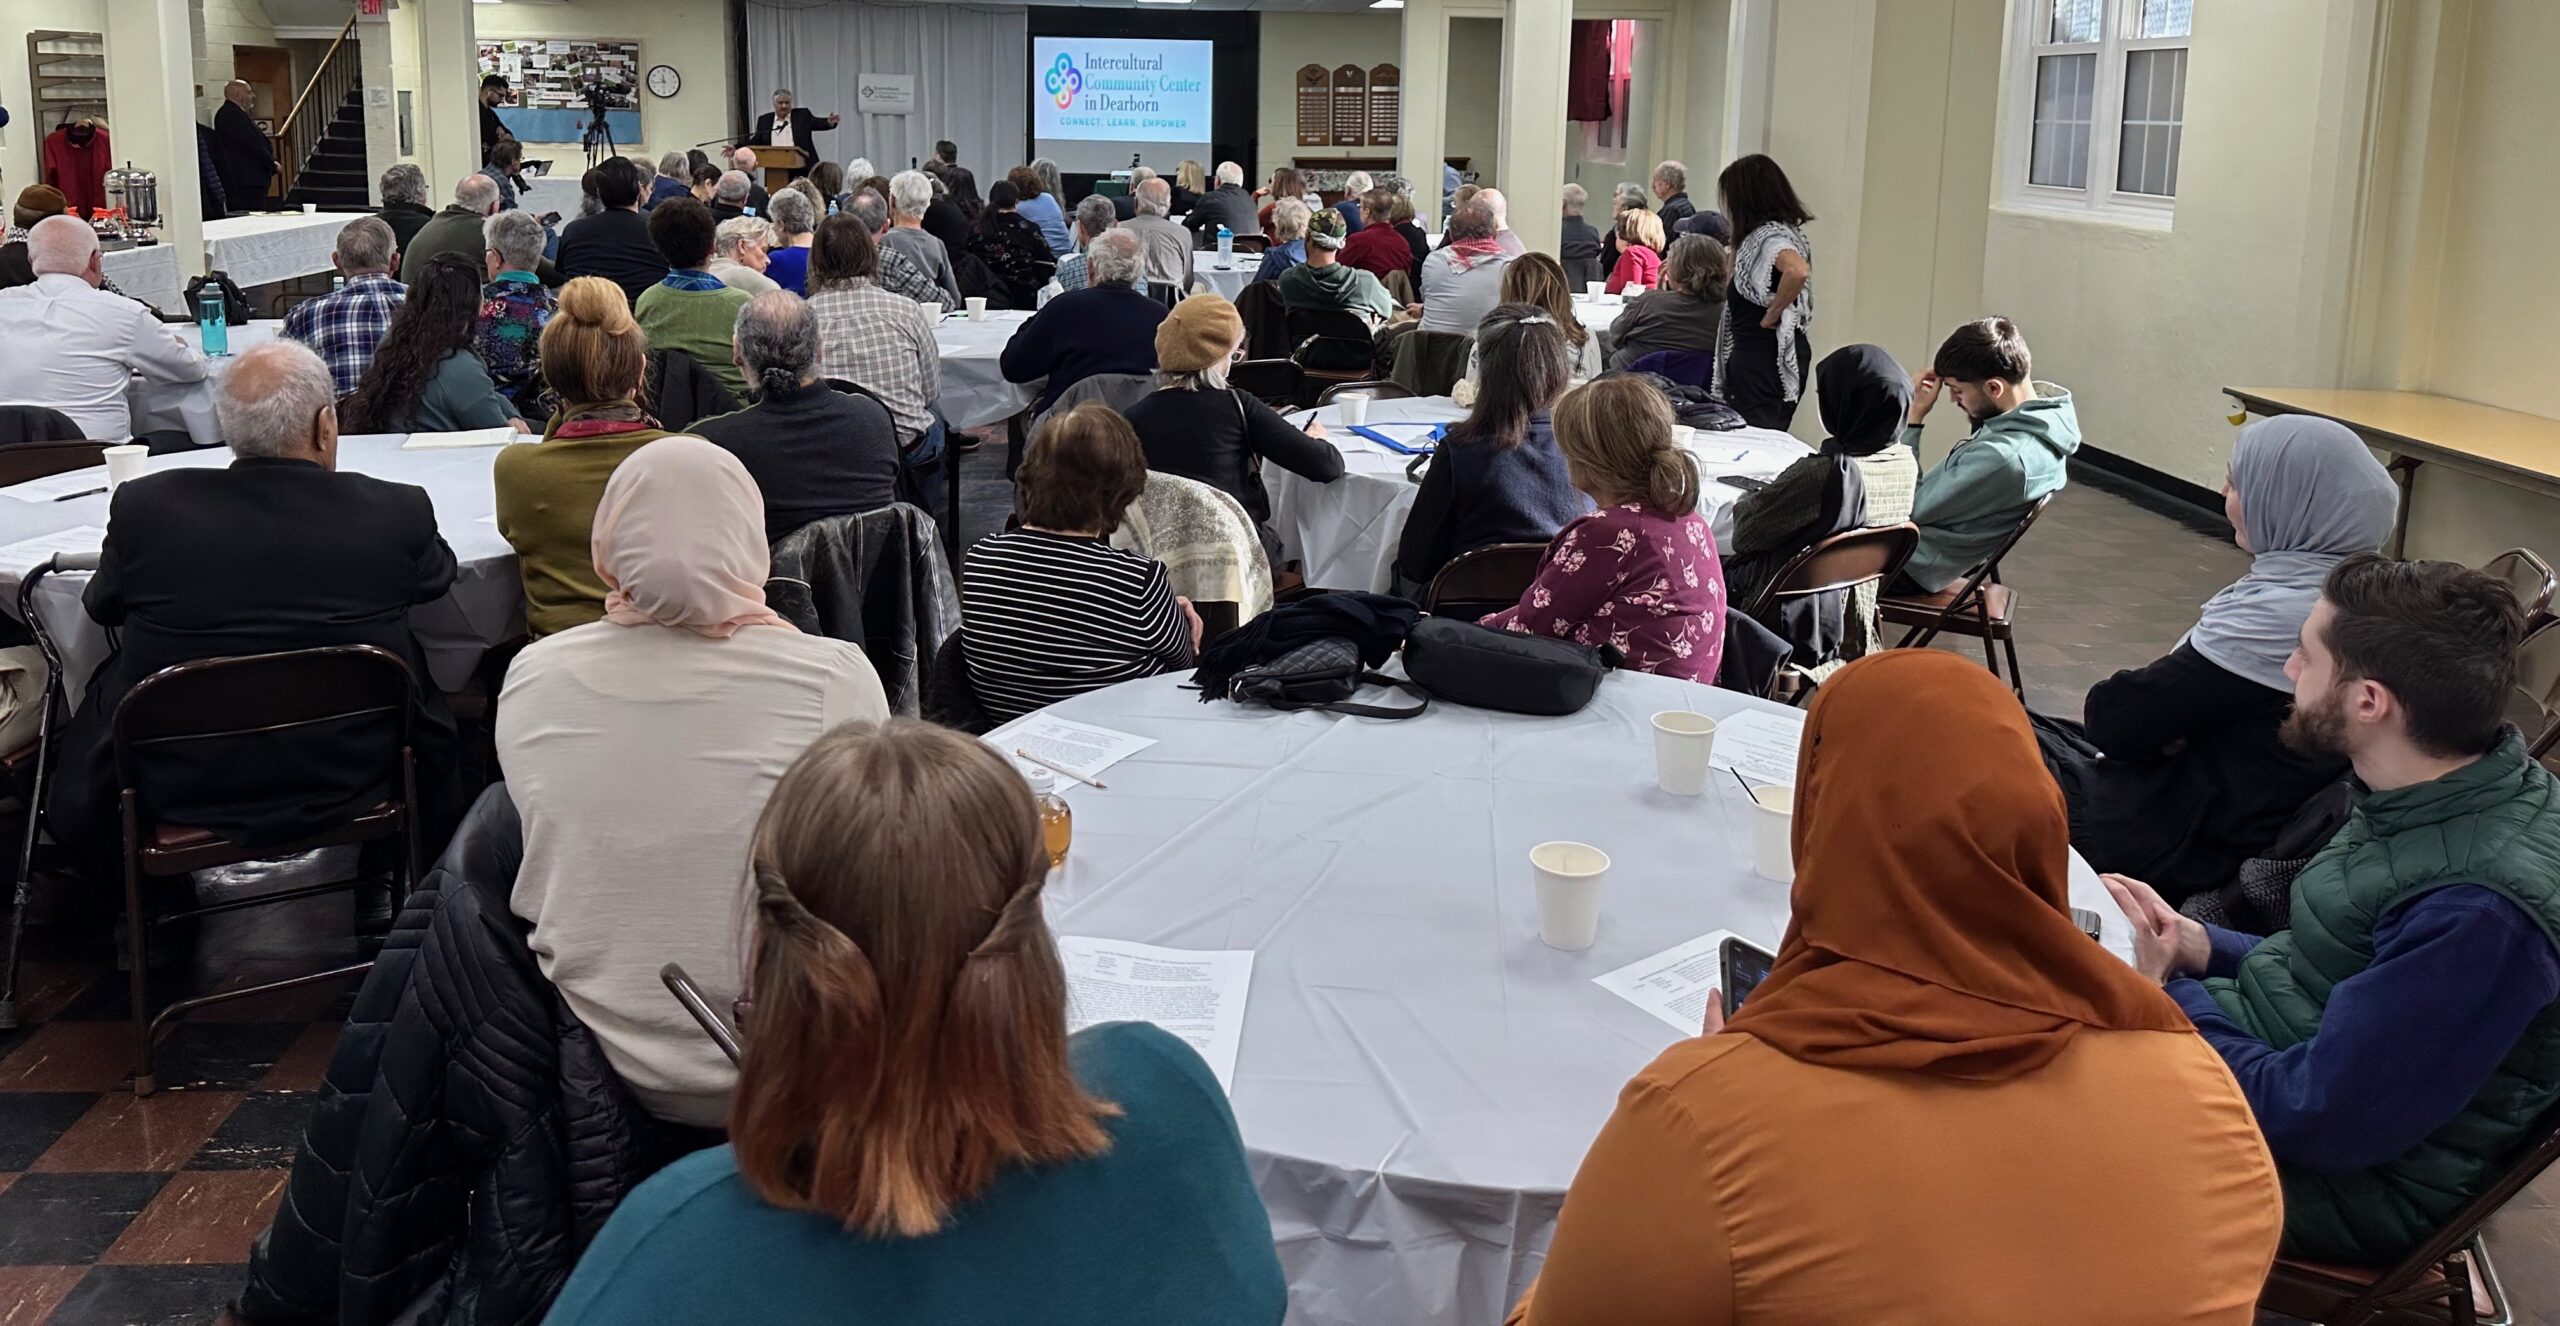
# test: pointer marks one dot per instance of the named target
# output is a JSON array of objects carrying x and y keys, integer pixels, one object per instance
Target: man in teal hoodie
[{"x": 2023, "y": 433}]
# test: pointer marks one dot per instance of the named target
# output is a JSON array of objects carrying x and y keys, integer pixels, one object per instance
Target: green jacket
[
  {"x": 1970, "y": 501},
  {"x": 702, "y": 323},
  {"x": 2494, "y": 823}
]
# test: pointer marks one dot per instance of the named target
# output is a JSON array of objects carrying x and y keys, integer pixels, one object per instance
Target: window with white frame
[{"x": 2099, "y": 106}]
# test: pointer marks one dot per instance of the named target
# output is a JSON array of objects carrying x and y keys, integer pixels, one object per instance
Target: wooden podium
[{"x": 779, "y": 164}]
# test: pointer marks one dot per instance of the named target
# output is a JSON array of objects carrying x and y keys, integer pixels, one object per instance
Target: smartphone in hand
[{"x": 1743, "y": 966}]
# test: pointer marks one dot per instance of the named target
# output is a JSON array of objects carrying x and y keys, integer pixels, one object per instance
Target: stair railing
[{"x": 323, "y": 93}]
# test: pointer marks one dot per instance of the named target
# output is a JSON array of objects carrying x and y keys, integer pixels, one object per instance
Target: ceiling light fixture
[{"x": 1386, "y": 4}]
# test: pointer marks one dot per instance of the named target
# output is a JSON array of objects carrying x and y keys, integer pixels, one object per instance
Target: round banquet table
[
  {"x": 265, "y": 247},
  {"x": 1229, "y": 280},
  {"x": 1419, "y": 1075},
  {"x": 485, "y": 605},
  {"x": 1344, "y": 533},
  {"x": 974, "y": 392},
  {"x": 164, "y": 405}
]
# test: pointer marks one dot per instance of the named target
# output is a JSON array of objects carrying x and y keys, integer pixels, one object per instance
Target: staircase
[{"x": 335, "y": 175}]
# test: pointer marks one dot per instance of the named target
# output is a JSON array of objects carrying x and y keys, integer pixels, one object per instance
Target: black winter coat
[
  {"x": 878, "y": 579},
  {"x": 470, "y": 1138}
]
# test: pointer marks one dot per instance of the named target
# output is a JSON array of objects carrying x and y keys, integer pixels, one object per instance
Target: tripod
[{"x": 598, "y": 139}]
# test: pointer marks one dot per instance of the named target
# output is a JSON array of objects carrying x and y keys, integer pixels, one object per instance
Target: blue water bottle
[
  {"x": 213, "y": 319},
  {"x": 1226, "y": 248}
]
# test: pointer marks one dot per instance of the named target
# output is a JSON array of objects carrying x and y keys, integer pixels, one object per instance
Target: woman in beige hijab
[{"x": 639, "y": 750}]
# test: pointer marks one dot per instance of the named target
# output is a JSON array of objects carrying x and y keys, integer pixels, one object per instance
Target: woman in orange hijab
[{"x": 1945, "y": 1104}]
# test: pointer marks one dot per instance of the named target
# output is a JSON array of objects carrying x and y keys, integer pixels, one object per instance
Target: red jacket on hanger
[{"x": 75, "y": 161}]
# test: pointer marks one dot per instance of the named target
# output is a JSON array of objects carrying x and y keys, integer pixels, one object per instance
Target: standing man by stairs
[{"x": 242, "y": 154}]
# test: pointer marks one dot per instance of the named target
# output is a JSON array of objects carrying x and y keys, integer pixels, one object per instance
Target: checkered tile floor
[{"x": 116, "y": 1211}]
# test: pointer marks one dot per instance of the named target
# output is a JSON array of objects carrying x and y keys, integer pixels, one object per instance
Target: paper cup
[
  {"x": 1569, "y": 876},
  {"x": 977, "y": 307},
  {"x": 1355, "y": 408},
  {"x": 1595, "y": 289},
  {"x": 1683, "y": 436},
  {"x": 1773, "y": 814},
  {"x": 1634, "y": 290},
  {"x": 1682, "y": 744},
  {"x": 124, "y": 462},
  {"x": 309, "y": 209}
]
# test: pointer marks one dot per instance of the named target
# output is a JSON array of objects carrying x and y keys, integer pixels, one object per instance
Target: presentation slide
[{"x": 1097, "y": 100}]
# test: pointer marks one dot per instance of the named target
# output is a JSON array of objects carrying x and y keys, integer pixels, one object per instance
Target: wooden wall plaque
[
  {"x": 1386, "y": 104},
  {"x": 1315, "y": 106},
  {"x": 1350, "y": 106}
]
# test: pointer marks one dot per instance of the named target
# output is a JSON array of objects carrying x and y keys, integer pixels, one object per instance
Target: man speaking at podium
[{"x": 787, "y": 125}]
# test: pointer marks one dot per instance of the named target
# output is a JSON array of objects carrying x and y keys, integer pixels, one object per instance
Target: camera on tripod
[{"x": 600, "y": 97}]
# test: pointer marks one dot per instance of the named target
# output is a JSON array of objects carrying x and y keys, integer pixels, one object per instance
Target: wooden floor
[{"x": 116, "y": 1211}]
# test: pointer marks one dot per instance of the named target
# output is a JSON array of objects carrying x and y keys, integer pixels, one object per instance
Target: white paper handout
[
  {"x": 27, "y": 554},
  {"x": 1197, "y": 994},
  {"x": 501, "y": 436},
  {"x": 1673, "y": 984},
  {"x": 1760, "y": 746},
  {"x": 53, "y": 487},
  {"x": 1086, "y": 749}
]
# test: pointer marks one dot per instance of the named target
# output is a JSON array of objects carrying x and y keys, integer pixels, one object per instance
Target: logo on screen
[{"x": 1065, "y": 81}]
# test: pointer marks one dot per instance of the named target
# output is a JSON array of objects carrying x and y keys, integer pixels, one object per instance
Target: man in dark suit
[
  {"x": 787, "y": 125},
  {"x": 243, "y": 154},
  {"x": 280, "y": 551}
]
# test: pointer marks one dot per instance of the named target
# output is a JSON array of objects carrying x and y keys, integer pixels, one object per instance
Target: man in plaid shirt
[
  {"x": 344, "y": 326},
  {"x": 898, "y": 274},
  {"x": 1093, "y": 216}
]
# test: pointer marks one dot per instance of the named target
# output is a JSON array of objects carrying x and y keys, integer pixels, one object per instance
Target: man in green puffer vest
[{"x": 2399, "y": 1040}]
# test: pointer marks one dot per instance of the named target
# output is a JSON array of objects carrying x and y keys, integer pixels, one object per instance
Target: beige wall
[
  {"x": 220, "y": 25},
  {"x": 2496, "y": 321},
  {"x": 1473, "y": 91},
  {"x": 1884, "y": 118},
  {"x": 692, "y": 35},
  {"x": 1291, "y": 41},
  {"x": 2146, "y": 324}
]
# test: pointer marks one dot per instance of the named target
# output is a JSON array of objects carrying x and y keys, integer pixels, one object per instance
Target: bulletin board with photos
[{"x": 548, "y": 73}]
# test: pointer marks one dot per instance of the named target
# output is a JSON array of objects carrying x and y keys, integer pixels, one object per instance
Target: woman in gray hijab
[{"x": 2176, "y": 773}]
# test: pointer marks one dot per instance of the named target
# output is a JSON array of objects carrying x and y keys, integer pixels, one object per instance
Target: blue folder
[{"x": 1423, "y": 448}]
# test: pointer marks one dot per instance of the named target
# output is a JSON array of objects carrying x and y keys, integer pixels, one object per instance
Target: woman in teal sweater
[
  {"x": 425, "y": 376},
  {"x": 915, "y": 1136}
]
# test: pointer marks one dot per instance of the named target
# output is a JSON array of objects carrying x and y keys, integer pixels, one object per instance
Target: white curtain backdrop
[{"x": 969, "y": 65}]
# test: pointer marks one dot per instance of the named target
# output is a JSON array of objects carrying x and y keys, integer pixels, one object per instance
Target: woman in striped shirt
[{"x": 1050, "y": 611}]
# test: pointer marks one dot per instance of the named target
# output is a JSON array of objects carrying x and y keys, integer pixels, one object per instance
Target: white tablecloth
[
  {"x": 974, "y": 392},
  {"x": 1419, "y": 1075},
  {"x": 149, "y": 273},
  {"x": 1345, "y": 532},
  {"x": 485, "y": 606},
  {"x": 160, "y": 405},
  {"x": 262, "y": 248},
  {"x": 1231, "y": 280}
]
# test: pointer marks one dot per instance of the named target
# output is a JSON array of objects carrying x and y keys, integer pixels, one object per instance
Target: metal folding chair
[
  {"x": 1980, "y": 607},
  {"x": 1483, "y": 580},
  {"x": 264, "y": 695}
]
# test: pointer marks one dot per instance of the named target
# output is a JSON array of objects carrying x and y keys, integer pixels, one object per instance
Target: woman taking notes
[
  {"x": 916, "y": 1137},
  {"x": 1639, "y": 575},
  {"x": 1945, "y": 1103}
]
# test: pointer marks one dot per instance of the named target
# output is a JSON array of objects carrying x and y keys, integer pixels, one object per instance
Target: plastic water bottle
[
  {"x": 337, "y": 283},
  {"x": 1057, "y": 823},
  {"x": 1226, "y": 248},
  {"x": 213, "y": 321}
]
